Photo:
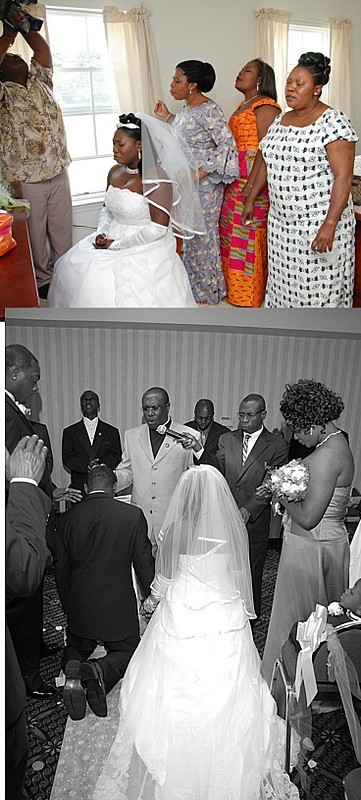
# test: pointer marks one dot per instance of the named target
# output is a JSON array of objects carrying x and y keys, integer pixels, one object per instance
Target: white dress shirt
[
  {"x": 252, "y": 439},
  {"x": 90, "y": 427}
]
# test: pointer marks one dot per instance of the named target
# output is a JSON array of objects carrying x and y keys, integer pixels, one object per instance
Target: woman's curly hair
[
  {"x": 307, "y": 403},
  {"x": 318, "y": 65}
]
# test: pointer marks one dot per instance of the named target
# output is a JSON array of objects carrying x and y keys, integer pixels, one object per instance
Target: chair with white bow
[{"x": 323, "y": 660}]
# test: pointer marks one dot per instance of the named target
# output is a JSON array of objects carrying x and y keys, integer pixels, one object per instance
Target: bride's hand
[
  {"x": 102, "y": 242},
  {"x": 147, "y": 607}
]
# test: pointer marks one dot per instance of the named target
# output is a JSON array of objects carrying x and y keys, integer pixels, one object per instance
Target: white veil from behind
[
  {"x": 204, "y": 534},
  {"x": 164, "y": 162}
]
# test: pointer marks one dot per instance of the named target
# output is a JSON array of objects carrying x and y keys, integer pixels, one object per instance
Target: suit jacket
[
  {"x": 43, "y": 432},
  {"x": 18, "y": 425},
  {"x": 270, "y": 450},
  {"x": 216, "y": 430},
  {"x": 153, "y": 479},
  {"x": 26, "y": 558},
  {"x": 98, "y": 540},
  {"x": 77, "y": 451}
]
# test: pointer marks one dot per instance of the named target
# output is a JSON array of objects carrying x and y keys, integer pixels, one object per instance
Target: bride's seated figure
[
  {"x": 194, "y": 718},
  {"x": 131, "y": 260}
]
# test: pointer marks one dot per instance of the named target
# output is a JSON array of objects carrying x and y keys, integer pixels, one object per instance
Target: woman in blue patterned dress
[
  {"x": 202, "y": 126},
  {"x": 308, "y": 155}
]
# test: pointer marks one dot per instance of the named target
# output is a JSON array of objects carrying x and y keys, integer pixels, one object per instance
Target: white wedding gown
[
  {"x": 197, "y": 720},
  {"x": 149, "y": 275}
]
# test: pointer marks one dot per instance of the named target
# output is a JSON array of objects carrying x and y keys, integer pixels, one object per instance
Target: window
[
  {"x": 84, "y": 88},
  {"x": 304, "y": 38}
]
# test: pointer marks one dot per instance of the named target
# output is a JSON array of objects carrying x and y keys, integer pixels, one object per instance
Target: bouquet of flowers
[{"x": 289, "y": 481}]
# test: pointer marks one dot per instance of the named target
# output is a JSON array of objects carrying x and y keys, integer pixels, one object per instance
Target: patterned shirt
[{"x": 33, "y": 140}]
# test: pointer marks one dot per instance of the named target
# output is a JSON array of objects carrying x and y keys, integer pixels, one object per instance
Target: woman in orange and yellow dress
[{"x": 244, "y": 247}]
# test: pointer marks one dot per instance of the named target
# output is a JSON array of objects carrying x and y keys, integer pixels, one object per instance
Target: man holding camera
[{"x": 33, "y": 149}]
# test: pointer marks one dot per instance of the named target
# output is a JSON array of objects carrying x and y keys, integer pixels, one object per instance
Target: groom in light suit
[
  {"x": 153, "y": 462},
  {"x": 244, "y": 468}
]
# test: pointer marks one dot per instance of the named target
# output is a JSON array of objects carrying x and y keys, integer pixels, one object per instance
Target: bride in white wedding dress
[
  {"x": 131, "y": 260},
  {"x": 196, "y": 719}
]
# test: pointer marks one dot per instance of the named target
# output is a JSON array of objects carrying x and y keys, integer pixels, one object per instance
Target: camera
[{"x": 10, "y": 7}]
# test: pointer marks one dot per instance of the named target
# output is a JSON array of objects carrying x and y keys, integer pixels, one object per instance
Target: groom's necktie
[{"x": 246, "y": 438}]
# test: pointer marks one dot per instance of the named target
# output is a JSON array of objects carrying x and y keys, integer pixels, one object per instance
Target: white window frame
[
  {"x": 306, "y": 28},
  {"x": 85, "y": 197}
]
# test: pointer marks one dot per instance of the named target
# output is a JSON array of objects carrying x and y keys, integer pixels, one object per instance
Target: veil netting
[
  {"x": 205, "y": 537},
  {"x": 166, "y": 165}
]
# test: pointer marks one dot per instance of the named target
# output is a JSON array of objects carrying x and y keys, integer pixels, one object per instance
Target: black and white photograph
[{"x": 205, "y": 483}]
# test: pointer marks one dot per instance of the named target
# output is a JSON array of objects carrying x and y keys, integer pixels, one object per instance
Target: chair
[{"x": 282, "y": 686}]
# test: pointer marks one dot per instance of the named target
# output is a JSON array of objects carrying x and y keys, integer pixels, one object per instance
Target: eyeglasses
[
  {"x": 152, "y": 408},
  {"x": 242, "y": 415}
]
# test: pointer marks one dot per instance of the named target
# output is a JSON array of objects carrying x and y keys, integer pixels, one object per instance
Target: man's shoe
[
  {"x": 93, "y": 679},
  {"x": 43, "y": 691},
  {"x": 74, "y": 694}
]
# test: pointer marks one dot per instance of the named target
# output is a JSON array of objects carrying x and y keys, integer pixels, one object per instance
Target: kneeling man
[{"x": 98, "y": 541}]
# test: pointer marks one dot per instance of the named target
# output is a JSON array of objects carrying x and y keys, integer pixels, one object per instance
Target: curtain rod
[{"x": 307, "y": 22}]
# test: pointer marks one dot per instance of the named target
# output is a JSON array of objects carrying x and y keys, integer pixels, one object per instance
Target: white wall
[{"x": 223, "y": 33}]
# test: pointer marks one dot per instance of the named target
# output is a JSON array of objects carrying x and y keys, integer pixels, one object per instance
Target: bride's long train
[{"x": 220, "y": 739}]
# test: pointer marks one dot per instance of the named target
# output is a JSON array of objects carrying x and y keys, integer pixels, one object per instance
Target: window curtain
[
  {"x": 272, "y": 43},
  {"x": 20, "y": 47},
  {"x": 340, "y": 91},
  {"x": 133, "y": 57}
]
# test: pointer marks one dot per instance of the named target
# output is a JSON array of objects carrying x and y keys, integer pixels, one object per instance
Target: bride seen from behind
[
  {"x": 132, "y": 260},
  {"x": 196, "y": 719}
]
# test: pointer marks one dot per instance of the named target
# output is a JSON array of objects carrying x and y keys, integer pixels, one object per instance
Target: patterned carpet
[{"x": 334, "y": 755}]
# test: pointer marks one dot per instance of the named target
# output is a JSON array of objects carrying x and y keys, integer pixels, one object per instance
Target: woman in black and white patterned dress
[{"x": 308, "y": 155}]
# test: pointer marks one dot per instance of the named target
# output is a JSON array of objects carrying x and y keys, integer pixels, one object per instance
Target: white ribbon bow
[{"x": 310, "y": 635}]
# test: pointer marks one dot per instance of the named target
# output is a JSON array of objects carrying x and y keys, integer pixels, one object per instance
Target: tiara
[{"x": 128, "y": 125}]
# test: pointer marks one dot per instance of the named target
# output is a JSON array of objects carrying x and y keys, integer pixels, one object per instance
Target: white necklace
[
  {"x": 132, "y": 171},
  {"x": 251, "y": 98},
  {"x": 328, "y": 437}
]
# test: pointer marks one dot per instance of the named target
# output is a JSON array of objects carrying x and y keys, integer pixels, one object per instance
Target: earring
[
  {"x": 258, "y": 85},
  {"x": 311, "y": 430},
  {"x": 316, "y": 94},
  {"x": 190, "y": 91},
  {"x": 139, "y": 154}
]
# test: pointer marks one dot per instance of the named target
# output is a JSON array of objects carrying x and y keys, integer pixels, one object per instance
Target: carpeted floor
[{"x": 333, "y": 757}]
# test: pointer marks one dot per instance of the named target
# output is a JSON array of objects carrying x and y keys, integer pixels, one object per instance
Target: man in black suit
[
  {"x": 25, "y": 616},
  {"x": 26, "y": 558},
  {"x": 98, "y": 541},
  {"x": 243, "y": 457},
  {"x": 89, "y": 441},
  {"x": 42, "y": 431},
  {"x": 203, "y": 422}
]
